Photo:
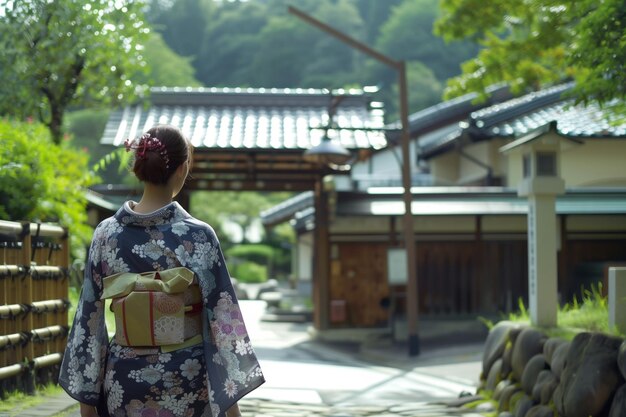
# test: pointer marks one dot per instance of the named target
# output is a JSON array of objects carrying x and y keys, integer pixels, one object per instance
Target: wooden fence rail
[{"x": 34, "y": 261}]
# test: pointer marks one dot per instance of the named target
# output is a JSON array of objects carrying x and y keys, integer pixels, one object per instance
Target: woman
[{"x": 215, "y": 365}]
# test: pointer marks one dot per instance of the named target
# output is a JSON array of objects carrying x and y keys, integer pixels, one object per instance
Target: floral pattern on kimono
[{"x": 206, "y": 379}]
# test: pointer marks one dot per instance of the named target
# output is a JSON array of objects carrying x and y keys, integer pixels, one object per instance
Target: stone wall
[{"x": 532, "y": 375}]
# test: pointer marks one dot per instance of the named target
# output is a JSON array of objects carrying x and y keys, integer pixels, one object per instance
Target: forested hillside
[{"x": 256, "y": 43}]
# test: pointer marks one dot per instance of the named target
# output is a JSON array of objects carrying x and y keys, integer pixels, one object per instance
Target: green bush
[
  {"x": 257, "y": 253},
  {"x": 249, "y": 272},
  {"x": 41, "y": 181}
]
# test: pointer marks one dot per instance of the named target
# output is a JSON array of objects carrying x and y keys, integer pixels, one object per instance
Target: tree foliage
[
  {"x": 42, "y": 181},
  {"x": 164, "y": 67},
  {"x": 68, "y": 52},
  {"x": 238, "y": 207},
  {"x": 408, "y": 35},
  {"x": 531, "y": 43},
  {"x": 258, "y": 44}
]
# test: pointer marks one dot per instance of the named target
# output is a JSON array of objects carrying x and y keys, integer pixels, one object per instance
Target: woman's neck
[{"x": 154, "y": 197}]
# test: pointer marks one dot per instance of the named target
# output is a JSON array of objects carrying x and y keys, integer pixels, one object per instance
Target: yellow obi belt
[{"x": 157, "y": 308}]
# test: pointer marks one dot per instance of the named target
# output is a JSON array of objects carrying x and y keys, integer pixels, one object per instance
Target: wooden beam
[{"x": 248, "y": 185}]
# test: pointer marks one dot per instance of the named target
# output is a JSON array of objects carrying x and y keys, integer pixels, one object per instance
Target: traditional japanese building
[{"x": 470, "y": 224}]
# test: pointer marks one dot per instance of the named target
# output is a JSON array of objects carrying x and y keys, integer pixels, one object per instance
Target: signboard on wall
[{"x": 397, "y": 273}]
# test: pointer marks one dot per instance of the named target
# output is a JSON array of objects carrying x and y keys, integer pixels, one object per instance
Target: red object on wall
[{"x": 338, "y": 311}]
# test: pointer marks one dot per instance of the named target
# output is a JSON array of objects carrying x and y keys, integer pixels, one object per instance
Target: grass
[
  {"x": 15, "y": 402},
  {"x": 590, "y": 313}
]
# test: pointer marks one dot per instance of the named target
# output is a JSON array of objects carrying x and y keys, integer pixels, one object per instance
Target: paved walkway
[
  {"x": 266, "y": 408},
  {"x": 381, "y": 380}
]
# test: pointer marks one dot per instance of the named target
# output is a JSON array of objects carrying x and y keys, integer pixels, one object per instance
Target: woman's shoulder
[
  {"x": 196, "y": 225},
  {"x": 108, "y": 226}
]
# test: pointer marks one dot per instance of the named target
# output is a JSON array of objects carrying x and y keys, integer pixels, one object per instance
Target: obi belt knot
[{"x": 156, "y": 308}]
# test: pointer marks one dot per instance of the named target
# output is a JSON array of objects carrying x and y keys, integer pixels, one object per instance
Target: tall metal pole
[{"x": 409, "y": 233}]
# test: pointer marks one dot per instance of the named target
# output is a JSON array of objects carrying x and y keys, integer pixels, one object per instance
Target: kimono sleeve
[
  {"x": 82, "y": 369},
  {"x": 232, "y": 366}
]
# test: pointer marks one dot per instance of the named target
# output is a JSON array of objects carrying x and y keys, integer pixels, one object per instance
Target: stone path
[
  {"x": 262, "y": 408},
  {"x": 270, "y": 408}
]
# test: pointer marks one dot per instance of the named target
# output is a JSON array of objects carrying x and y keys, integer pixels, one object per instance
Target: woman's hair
[{"x": 158, "y": 153}]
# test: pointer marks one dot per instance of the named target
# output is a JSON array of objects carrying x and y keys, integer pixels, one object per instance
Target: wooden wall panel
[
  {"x": 359, "y": 276},
  {"x": 461, "y": 278}
]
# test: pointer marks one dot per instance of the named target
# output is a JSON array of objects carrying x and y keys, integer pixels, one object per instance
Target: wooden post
[
  {"x": 64, "y": 288},
  {"x": 409, "y": 234},
  {"x": 321, "y": 258},
  {"x": 26, "y": 291}
]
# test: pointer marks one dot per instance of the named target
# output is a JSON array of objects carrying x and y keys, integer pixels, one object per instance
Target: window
[
  {"x": 526, "y": 166},
  {"x": 546, "y": 164}
]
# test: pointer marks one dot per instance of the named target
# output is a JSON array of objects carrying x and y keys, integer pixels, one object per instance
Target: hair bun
[{"x": 158, "y": 153}]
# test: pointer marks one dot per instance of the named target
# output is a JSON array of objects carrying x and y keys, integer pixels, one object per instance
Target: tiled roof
[
  {"x": 449, "y": 111},
  {"x": 497, "y": 113},
  {"x": 524, "y": 114},
  {"x": 572, "y": 120},
  {"x": 253, "y": 118},
  {"x": 287, "y": 209}
]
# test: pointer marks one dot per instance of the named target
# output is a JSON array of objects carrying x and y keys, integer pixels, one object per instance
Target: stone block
[
  {"x": 505, "y": 397},
  {"x": 497, "y": 392},
  {"x": 523, "y": 405},
  {"x": 559, "y": 357},
  {"x": 534, "y": 366},
  {"x": 544, "y": 387},
  {"x": 529, "y": 343},
  {"x": 495, "y": 343},
  {"x": 550, "y": 347},
  {"x": 618, "y": 407},
  {"x": 494, "y": 376},
  {"x": 591, "y": 376},
  {"x": 540, "y": 411}
]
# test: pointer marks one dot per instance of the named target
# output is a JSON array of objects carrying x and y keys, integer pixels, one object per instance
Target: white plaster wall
[
  {"x": 504, "y": 224},
  {"x": 441, "y": 224},
  {"x": 360, "y": 224},
  {"x": 616, "y": 223},
  {"x": 445, "y": 168},
  {"x": 304, "y": 248},
  {"x": 469, "y": 171},
  {"x": 384, "y": 165},
  {"x": 595, "y": 163}
]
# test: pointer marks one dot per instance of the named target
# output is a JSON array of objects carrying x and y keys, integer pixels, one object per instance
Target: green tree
[
  {"x": 408, "y": 35},
  {"x": 42, "y": 181},
  {"x": 183, "y": 23},
  {"x": 424, "y": 88},
  {"x": 529, "y": 44},
  {"x": 68, "y": 52},
  {"x": 240, "y": 207},
  {"x": 283, "y": 53},
  {"x": 229, "y": 44},
  {"x": 334, "y": 64},
  {"x": 164, "y": 67},
  {"x": 374, "y": 14}
]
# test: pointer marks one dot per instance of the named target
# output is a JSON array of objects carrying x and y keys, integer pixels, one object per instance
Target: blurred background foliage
[
  {"x": 43, "y": 181},
  {"x": 72, "y": 60}
]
